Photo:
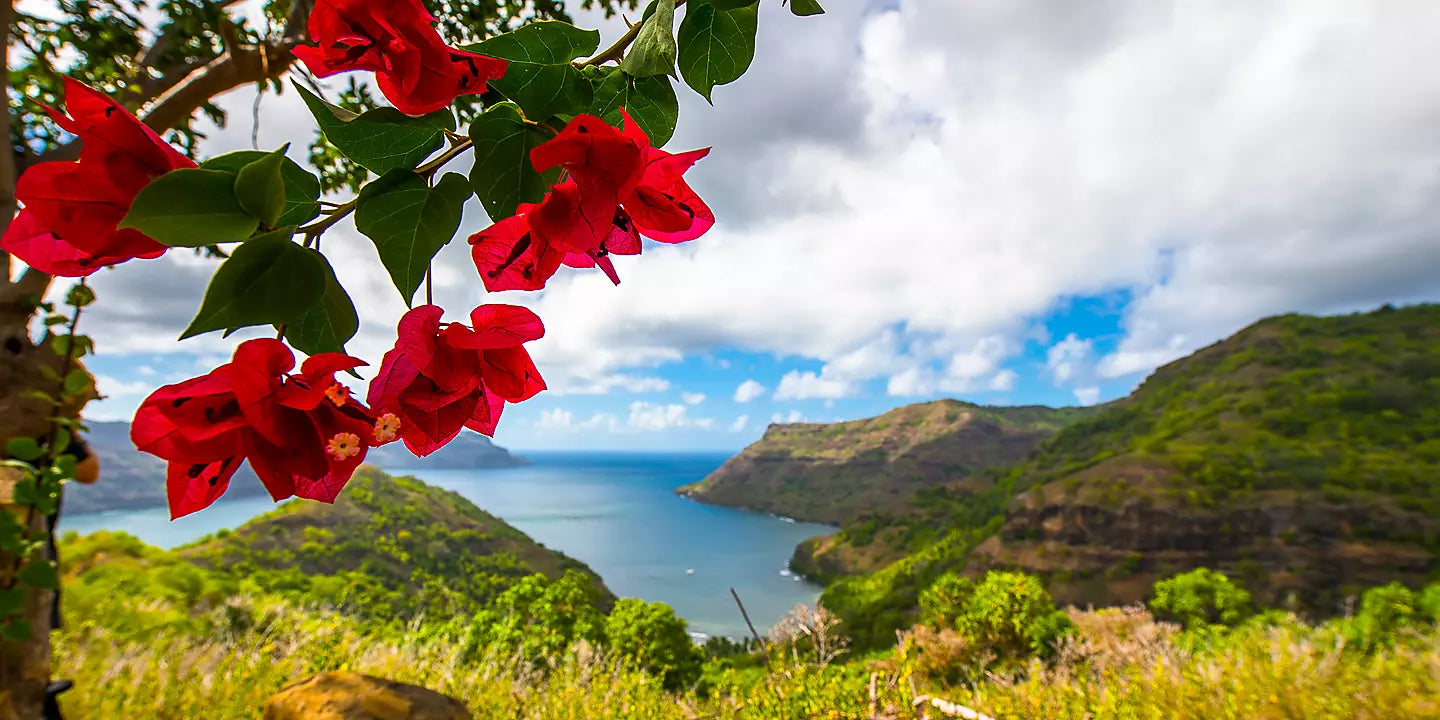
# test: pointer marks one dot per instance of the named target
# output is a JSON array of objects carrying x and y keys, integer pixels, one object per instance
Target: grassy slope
[
  {"x": 149, "y": 635},
  {"x": 839, "y": 472},
  {"x": 1302, "y": 454},
  {"x": 391, "y": 546}
]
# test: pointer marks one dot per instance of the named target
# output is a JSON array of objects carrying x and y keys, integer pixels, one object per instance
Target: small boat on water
[
  {"x": 785, "y": 573},
  {"x": 691, "y": 571}
]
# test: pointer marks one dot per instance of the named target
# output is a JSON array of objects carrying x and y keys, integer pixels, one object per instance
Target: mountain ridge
[{"x": 838, "y": 472}]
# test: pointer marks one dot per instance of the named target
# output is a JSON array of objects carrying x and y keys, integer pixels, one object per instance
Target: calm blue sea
[{"x": 614, "y": 511}]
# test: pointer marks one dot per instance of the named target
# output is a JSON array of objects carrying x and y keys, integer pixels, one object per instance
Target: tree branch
[
  {"x": 239, "y": 65},
  {"x": 8, "y": 205},
  {"x": 617, "y": 51}
]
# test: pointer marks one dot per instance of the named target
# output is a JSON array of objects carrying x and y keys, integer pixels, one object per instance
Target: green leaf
[
  {"x": 409, "y": 222},
  {"x": 23, "y": 448},
  {"x": 12, "y": 600},
  {"x": 79, "y": 295},
  {"x": 716, "y": 47},
  {"x": 192, "y": 207},
  {"x": 653, "y": 52},
  {"x": 15, "y": 630},
  {"x": 77, "y": 382},
  {"x": 503, "y": 175},
  {"x": 723, "y": 5},
  {"x": 260, "y": 188},
  {"x": 330, "y": 323},
  {"x": 650, "y": 101},
  {"x": 267, "y": 281},
  {"x": 382, "y": 139},
  {"x": 40, "y": 574},
  {"x": 302, "y": 188},
  {"x": 540, "y": 77},
  {"x": 805, "y": 8}
]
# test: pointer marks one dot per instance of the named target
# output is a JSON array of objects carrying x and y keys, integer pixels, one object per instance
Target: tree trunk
[{"x": 25, "y": 666}]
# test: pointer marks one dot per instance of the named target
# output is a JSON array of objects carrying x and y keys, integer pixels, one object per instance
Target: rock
[{"x": 348, "y": 696}]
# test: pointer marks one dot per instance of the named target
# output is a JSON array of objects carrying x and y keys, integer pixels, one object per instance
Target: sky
[{"x": 1001, "y": 201}]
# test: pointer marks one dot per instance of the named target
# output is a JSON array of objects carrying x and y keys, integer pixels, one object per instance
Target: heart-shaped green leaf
[
  {"x": 409, "y": 222},
  {"x": 503, "y": 175},
  {"x": 191, "y": 207},
  {"x": 269, "y": 280}
]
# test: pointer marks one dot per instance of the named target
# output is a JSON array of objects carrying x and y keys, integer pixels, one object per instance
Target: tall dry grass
[{"x": 1121, "y": 664}]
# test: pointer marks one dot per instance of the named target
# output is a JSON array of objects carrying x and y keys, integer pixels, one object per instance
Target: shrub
[
  {"x": 1007, "y": 616},
  {"x": 538, "y": 619},
  {"x": 1200, "y": 598},
  {"x": 1384, "y": 612},
  {"x": 944, "y": 601},
  {"x": 654, "y": 638}
]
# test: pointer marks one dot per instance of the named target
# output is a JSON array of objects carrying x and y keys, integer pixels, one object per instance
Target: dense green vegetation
[
  {"x": 1347, "y": 404},
  {"x": 1300, "y": 453},
  {"x": 388, "y": 548},
  {"x": 206, "y": 644}
]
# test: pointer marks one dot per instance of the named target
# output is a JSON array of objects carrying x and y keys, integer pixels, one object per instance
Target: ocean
[{"x": 616, "y": 512}]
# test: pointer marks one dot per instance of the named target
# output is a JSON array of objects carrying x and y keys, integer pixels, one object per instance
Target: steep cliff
[{"x": 840, "y": 472}]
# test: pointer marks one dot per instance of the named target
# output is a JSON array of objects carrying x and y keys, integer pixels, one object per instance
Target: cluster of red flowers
[
  {"x": 71, "y": 209},
  {"x": 304, "y": 434},
  {"x": 618, "y": 188},
  {"x": 396, "y": 39}
]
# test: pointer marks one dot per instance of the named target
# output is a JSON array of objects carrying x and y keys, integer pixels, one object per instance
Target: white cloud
[
  {"x": 962, "y": 168},
  {"x": 1067, "y": 359},
  {"x": 796, "y": 385},
  {"x": 1004, "y": 380},
  {"x": 740, "y": 424},
  {"x": 795, "y": 416},
  {"x": 559, "y": 419},
  {"x": 556, "y": 418},
  {"x": 692, "y": 398},
  {"x": 963, "y": 370},
  {"x": 121, "y": 398},
  {"x": 608, "y": 383},
  {"x": 748, "y": 390},
  {"x": 1087, "y": 395},
  {"x": 651, "y": 417}
]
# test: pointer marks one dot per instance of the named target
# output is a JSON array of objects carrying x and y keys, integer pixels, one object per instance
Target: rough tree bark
[{"x": 175, "y": 97}]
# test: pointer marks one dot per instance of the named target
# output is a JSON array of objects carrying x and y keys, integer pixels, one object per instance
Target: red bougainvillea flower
[
  {"x": 438, "y": 380},
  {"x": 68, "y": 223},
  {"x": 663, "y": 205},
  {"x": 396, "y": 40},
  {"x": 302, "y": 437},
  {"x": 617, "y": 188}
]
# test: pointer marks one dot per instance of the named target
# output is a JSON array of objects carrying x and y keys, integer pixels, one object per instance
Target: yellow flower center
[
  {"x": 338, "y": 394},
  {"x": 343, "y": 446},
  {"x": 387, "y": 428}
]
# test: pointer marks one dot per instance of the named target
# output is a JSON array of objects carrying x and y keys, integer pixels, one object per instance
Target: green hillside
[
  {"x": 1302, "y": 455},
  {"x": 836, "y": 473},
  {"x": 388, "y": 547}
]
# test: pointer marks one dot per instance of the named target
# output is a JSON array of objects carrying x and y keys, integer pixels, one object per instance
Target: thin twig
[
  {"x": 617, "y": 51},
  {"x": 425, "y": 171},
  {"x": 48, "y": 458},
  {"x": 764, "y": 650}
]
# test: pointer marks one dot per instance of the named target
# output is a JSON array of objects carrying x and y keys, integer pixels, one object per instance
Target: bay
[{"x": 616, "y": 512}]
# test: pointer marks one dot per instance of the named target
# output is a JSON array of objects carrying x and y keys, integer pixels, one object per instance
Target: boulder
[{"x": 348, "y": 696}]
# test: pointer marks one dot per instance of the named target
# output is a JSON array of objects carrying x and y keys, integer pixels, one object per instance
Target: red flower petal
[
  {"x": 497, "y": 326},
  {"x": 509, "y": 256}
]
